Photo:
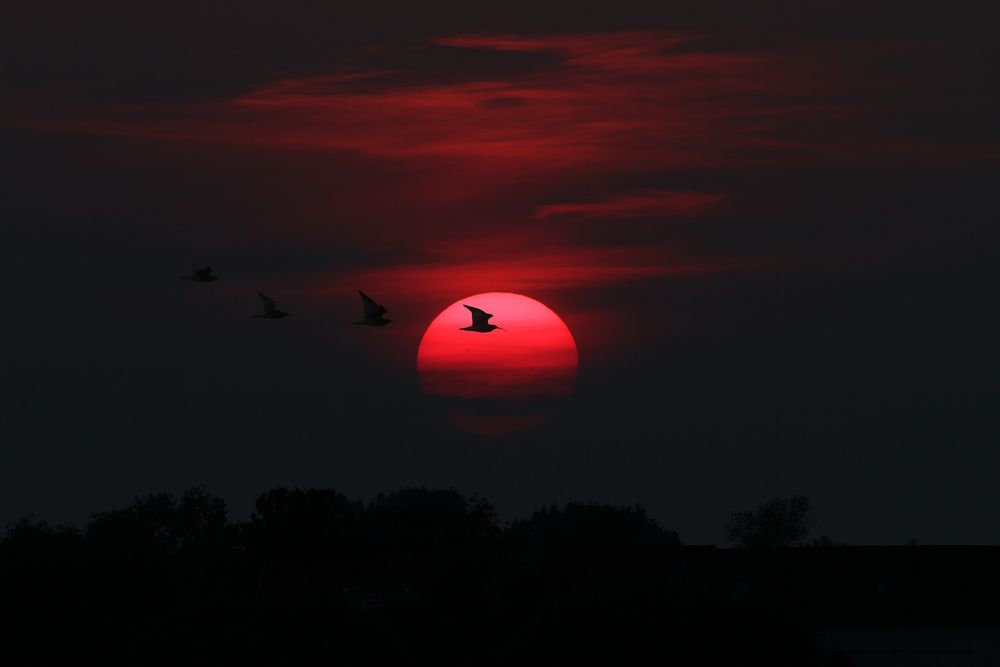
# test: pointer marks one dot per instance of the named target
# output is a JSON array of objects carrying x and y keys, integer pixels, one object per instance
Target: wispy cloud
[
  {"x": 569, "y": 268},
  {"x": 601, "y": 103},
  {"x": 642, "y": 204},
  {"x": 459, "y": 181},
  {"x": 606, "y": 102}
]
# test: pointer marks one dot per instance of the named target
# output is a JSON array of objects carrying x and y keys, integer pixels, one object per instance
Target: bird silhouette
[
  {"x": 373, "y": 312},
  {"x": 271, "y": 311},
  {"x": 480, "y": 319},
  {"x": 201, "y": 274}
]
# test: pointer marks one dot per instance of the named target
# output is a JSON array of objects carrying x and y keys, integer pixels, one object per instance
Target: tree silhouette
[
  {"x": 421, "y": 518},
  {"x": 555, "y": 532},
  {"x": 415, "y": 575},
  {"x": 441, "y": 543},
  {"x": 305, "y": 545},
  {"x": 318, "y": 523},
  {"x": 780, "y": 522},
  {"x": 159, "y": 525},
  {"x": 587, "y": 575},
  {"x": 29, "y": 537},
  {"x": 40, "y": 561}
]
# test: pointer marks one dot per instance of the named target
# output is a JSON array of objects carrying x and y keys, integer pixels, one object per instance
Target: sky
[{"x": 770, "y": 230}]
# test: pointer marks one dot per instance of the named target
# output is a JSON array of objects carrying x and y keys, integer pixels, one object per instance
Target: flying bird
[
  {"x": 201, "y": 274},
  {"x": 373, "y": 312},
  {"x": 480, "y": 319},
  {"x": 271, "y": 311}
]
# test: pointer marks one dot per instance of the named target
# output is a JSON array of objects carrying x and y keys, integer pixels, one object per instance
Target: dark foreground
[{"x": 428, "y": 577}]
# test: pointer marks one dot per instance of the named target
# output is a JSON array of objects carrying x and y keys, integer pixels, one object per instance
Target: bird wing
[
  {"x": 479, "y": 317},
  {"x": 372, "y": 309},
  {"x": 268, "y": 302}
]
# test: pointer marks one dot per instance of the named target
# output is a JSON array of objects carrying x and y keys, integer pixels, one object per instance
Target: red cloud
[
  {"x": 620, "y": 103},
  {"x": 459, "y": 155},
  {"x": 540, "y": 271},
  {"x": 610, "y": 103},
  {"x": 644, "y": 204},
  {"x": 621, "y": 51}
]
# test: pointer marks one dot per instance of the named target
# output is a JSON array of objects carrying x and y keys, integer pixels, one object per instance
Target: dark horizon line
[{"x": 474, "y": 500}]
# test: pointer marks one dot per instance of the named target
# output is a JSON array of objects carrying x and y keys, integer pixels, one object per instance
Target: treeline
[{"x": 416, "y": 575}]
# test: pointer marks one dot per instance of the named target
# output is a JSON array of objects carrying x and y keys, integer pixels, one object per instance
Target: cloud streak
[
  {"x": 643, "y": 204},
  {"x": 607, "y": 102},
  {"x": 620, "y": 103},
  {"x": 431, "y": 166}
]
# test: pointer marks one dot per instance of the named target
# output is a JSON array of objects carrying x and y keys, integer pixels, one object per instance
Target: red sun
[{"x": 502, "y": 381}]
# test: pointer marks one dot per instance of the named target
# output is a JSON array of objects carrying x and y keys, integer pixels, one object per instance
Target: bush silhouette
[{"x": 780, "y": 522}]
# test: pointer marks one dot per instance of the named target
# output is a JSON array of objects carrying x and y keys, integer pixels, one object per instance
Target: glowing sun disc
[{"x": 501, "y": 381}]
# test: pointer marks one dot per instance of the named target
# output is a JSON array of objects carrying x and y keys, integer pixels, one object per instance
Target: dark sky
[{"x": 770, "y": 229}]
